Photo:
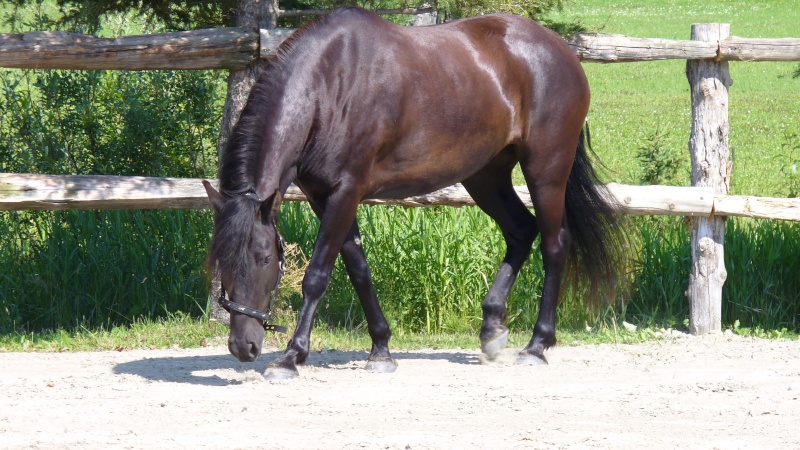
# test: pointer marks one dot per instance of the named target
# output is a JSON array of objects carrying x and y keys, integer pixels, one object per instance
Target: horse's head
[{"x": 248, "y": 252}]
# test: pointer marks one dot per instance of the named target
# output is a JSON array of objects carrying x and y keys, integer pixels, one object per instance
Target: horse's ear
[
  {"x": 217, "y": 202},
  {"x": 271, "y": 207}
]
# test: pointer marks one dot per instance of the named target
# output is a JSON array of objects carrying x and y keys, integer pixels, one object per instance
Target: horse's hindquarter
[{"x": 464, "y": 94}]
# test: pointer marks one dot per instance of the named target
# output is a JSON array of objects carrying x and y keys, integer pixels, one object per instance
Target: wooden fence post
[
  {"x": 709, "y": 80},
  {"x": 256, "y": 14}
]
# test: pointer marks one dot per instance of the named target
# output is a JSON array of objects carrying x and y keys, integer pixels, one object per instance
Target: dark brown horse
[{"x": 354, "y": 107}]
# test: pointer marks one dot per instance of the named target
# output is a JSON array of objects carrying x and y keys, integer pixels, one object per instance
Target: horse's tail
[{"x": 599, "y": 240}]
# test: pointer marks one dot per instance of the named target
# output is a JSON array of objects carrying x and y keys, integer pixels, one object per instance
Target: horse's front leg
[
  {"x": 334, "y": 227},
  {"x": 355, "y": 261}
]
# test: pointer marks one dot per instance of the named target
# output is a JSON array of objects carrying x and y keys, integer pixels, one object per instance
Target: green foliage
[
  {"x": 88, "y": 15},
  {"x": 658, "y": 161},
  {"x": 789, "y": 158},
  {"x": 535, "y": 9},
  {"x": 660, "y": 273},
  {"x": 762, "y": 288},
  {"x": 72, "y": 269},
  {"x": 89, "y": 269},
  {"x": 156, "y": 123},
  {"x": 129, "y": 123}
]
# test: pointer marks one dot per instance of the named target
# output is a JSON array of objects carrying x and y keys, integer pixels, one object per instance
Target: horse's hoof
[
  {"x": 382, "y": 365},
  {"x": 280, "y": 373},
  {"x": 494, "y": 346},
  {"x": 531, "y": 359}
]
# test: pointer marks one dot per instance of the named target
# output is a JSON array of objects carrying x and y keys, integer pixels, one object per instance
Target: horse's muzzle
[{"x": 245, "y": 350}]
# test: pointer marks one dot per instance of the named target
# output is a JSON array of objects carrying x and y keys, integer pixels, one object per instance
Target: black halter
[{"x": 262, "y": 316}]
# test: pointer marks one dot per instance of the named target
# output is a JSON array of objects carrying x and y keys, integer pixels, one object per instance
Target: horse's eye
[{"x": 267, "y": 260}]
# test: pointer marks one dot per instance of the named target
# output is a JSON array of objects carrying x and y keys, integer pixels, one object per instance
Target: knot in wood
[
  {"x": 705, "y": 247},
  {"x": 705, "y": 169}
]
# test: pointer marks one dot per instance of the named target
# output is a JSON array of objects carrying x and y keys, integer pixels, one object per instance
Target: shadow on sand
[{"x": 225, "y": 370}]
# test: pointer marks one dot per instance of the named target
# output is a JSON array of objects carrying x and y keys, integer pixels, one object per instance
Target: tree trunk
[
  {"x": 256, "y": 14},
  {"x": 711, "y": 167}
]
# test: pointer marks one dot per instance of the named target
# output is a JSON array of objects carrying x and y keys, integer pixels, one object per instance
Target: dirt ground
[{"x": 720, "y": 391}]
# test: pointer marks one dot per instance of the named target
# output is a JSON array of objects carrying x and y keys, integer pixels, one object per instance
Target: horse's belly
[{"x": 428, "y": 169}]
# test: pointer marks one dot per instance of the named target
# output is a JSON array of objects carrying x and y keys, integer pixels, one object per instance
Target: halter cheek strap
[{"x": 262, "y": 316}]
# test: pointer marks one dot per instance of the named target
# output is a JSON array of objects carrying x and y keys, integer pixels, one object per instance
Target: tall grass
[
  {"x": 429, "y": 265},
  {"x": 100, "y": 269},
  {"x": 432, "y": 267},
  {"x": 660, "y": 274},
  {"x": 763, "y": 288}
]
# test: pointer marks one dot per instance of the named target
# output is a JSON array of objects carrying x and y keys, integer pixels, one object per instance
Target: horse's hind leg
[
  {"x": 355, "y": 261},
  {"x": 493, "y": 192},
  {"x": 546, "y": 172}
]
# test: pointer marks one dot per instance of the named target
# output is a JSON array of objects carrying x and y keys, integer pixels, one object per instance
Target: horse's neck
[{"x": 281, "y": 151}]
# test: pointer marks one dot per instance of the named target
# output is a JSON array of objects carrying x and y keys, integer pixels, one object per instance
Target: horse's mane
[
  {"x": 238, "y": 161},
  {"x": 239, "y": 158},
  {"x": 232, "y": 235}
]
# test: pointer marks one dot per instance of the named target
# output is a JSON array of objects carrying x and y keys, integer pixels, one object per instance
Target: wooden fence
[{"x": 707, "y": 201}]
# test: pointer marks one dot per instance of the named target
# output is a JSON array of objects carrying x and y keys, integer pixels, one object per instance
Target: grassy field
[
  {"x": 134, "y": 279},
  {"x": 632, "y": 101}
]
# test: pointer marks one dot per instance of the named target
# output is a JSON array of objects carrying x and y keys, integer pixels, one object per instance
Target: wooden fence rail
[
  {"x": 707, "y": 202},
  {"x": 234, "y": 48},
  {"x": 224, "y": 48},
  {"x": 62, "y": 192},
  {"x": 611, "y": 48}
]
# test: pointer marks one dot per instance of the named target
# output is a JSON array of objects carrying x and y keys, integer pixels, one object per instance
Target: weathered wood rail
[
  {"x": 223, "y": 48},
  {"x": 613, "y": 48},
  {"x": 707, "y": 202},
  {"x": 234, "y": 48},
  {"x": 60, "y": 192},
  {"x": 63, "y": 192}
]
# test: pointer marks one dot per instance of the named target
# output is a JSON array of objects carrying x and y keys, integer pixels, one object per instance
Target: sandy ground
[{"x": 720, "y": 391}]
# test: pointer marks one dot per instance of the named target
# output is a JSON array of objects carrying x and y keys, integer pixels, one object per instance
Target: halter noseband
[{"x": 262, "y": 316}]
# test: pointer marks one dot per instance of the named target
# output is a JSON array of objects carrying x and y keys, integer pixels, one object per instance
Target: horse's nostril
[
  {"x": 243, "y": 351},
  {"x": 254, "y": 351}
]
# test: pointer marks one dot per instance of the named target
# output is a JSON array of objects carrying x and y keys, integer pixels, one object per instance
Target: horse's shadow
[{"x": 205, "y": 370}]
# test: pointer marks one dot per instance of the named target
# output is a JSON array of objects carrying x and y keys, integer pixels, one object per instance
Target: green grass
[
  {"x": 176, "y": 330},
  {"x": 631, "y": 100},
  {"x": 85, "y": 269},
  {"x": 184, "y": 331}
]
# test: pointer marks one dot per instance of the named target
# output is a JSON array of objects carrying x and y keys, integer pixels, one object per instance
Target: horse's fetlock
[
  {"x": 494, "y": 313},
  {"x": 380, "y": 331}
]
